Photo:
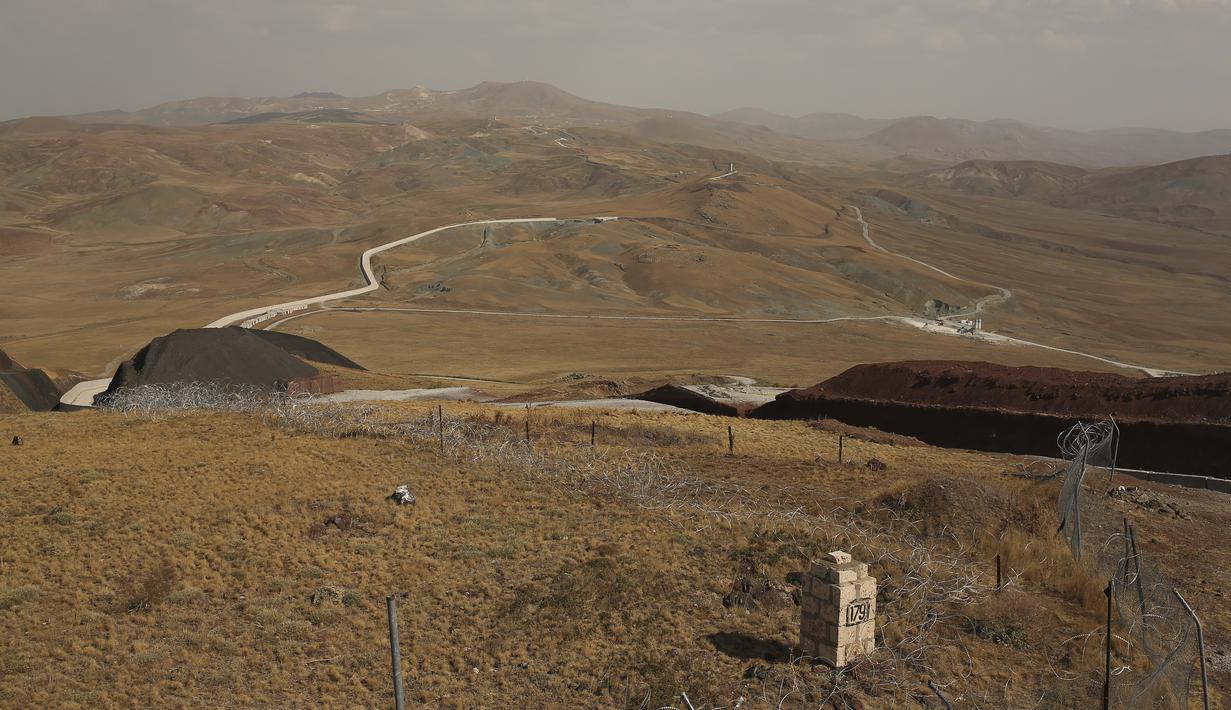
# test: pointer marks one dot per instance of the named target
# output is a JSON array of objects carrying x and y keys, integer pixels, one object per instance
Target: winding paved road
[
  {"x": 83, "y": 393},
  {"x": 369, "y": 275},
  {"x": 1004, "y": 295}
]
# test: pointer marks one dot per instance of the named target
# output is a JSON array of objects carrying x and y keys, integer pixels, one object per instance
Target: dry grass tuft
[
  {"x": 10, "y": 598},
  {"x": 152, "y": 588}
]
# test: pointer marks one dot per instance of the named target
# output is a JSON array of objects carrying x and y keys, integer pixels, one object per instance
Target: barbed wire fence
[
  {"x": 930, "y": 575},
  {"x": 1154, "y": 648},
  {"x": 1154, "y": 635}
]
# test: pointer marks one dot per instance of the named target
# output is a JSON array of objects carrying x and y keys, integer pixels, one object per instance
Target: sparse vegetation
[
  {"x": 10, "y": 598},
  {"x": 149, "y": 589},
  {"x": 555, "y": 570}
]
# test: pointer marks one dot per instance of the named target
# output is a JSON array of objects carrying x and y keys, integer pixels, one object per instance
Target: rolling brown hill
[
  {"x": 171, "y": 226},
  {"x": 1192, "y": 193},
  {"x": 953, "y": 140},
  {"x": 1030, "y": 179},
  {"x": 817, "y": 126},
  {"x": 121, "y": 232}
]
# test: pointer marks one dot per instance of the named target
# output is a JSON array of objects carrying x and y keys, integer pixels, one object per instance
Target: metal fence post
[
  {"x": 1115, "y": 451},
  {"x": 593, "y": 429},
  {"x": 399, "y": 700},
  {"x": 841, "y": 439},
  {"x": 998, "y": 585},
  {"x": 1107, "y": 650},
  {"x": 943, "y": 699},
  {"x": 1141, "y": 594},
  {"x": 1205, "y": 680},
  {"x": 440, "y": 425},
  {"x": 730, "y": 439},
  {"x": 1081, "y": 475}
]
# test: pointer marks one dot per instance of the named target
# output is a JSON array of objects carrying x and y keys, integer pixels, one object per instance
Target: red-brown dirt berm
[
  {"x": 1032, "y": 389},
  {"x": 1176, "y": 425}
]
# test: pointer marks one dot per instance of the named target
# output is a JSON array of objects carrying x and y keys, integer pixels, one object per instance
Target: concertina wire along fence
[
  {"x": 932, "y": 577},
  {"x": 1155, "y": 634},
  {"x": 1155, "y": 647}
]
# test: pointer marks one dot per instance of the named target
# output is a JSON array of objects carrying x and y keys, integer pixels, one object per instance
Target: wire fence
[
  {"x": 1154, "y": 649},
  {"x": 925, "y": 579},
  {"x": 1154, "y": 644}
]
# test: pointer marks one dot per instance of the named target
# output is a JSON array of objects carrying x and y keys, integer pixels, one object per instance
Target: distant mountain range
[
  {"x": 954, "y": 139},
  {"x": 824, "y": 138},
  {"x": 818, "y": 126}
]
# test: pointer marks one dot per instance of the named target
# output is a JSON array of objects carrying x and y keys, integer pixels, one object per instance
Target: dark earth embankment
[
  {"x": 228, "y": 356},
  {"x": 33, "y": 388},
  {"x": 1035, "y": 389},
  {"x": 980, "y": 406},
  {"x": 306, "y": 349},
  {"x": 685, "y": 398}
]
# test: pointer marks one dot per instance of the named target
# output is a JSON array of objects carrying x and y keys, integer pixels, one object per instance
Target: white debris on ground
[
  {"x": 402, "y": 495},
  {"x": 455, "y": 394},
  {"x": 615, "y": 403},
  {"x": 739, "y": 391}
]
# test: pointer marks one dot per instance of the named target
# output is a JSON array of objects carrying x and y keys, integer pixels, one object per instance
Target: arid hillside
[
  {"x": 818, "y": 126},
  {"x": 121, "y": 232},
  {"x": 1114, "y": 285},
  {"x": 240, "y": 562},
  {"x": 952, "y": 140},
  {"x": 147, "y": 229},
  {"x": 739, "y": 247},
  {"x": 1190, "y": 193}
]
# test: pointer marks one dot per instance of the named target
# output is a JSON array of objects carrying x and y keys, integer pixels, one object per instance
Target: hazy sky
[{"x": 1072, "y": 63}]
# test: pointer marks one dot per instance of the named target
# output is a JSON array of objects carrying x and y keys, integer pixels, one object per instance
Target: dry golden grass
[
  {"x": 9, "y": 403},
  {"x": 192, "y": 561}
]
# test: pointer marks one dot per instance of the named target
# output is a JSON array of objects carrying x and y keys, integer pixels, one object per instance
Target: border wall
[{"x": 1196, "y": 448}]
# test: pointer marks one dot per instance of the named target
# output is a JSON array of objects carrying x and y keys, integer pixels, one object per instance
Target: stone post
[{"x": 838, "y": 610}]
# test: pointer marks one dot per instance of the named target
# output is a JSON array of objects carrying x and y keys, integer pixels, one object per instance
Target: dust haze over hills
[
  {"x": 841, "y": 137},
  {"x": 954, "y": 139}
]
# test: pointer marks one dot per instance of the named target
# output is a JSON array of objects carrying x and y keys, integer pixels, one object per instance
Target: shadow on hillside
[{"x": 747, "y": 647}]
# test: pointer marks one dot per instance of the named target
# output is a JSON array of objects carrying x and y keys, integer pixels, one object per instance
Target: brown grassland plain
[
  {"x": 532, "y": 350},
  {"x": 216, "y": 559}
]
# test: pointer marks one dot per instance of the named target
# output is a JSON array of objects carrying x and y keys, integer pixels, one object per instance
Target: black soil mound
[
  {"x": 307, "y": 349},
  {"x": 227, "y": 356},
  {"x": 687, "y": 399},
  {"x": 33, "y": 387}
]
